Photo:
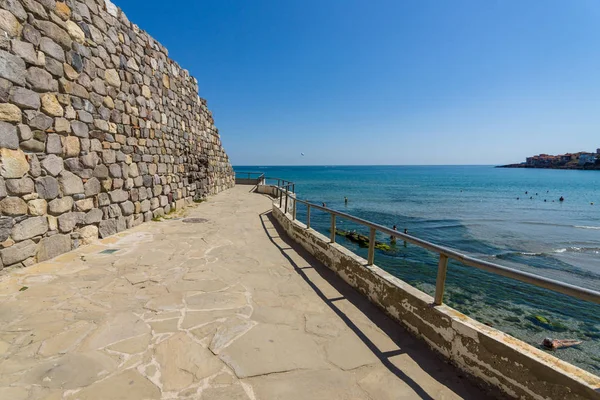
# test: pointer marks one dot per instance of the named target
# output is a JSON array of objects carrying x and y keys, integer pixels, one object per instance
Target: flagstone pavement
[{"x": 226, "y": 308}]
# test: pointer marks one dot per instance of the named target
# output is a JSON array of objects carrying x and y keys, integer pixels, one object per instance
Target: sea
[{"x": 512, "y": 217}]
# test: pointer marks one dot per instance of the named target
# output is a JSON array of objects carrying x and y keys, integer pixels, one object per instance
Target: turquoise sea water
[{"x": 484, "y": 212}]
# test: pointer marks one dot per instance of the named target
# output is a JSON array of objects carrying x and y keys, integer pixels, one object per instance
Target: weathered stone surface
[
  {"x": 118, "y": 196},
  {"x": 107, "y": 227},
  {"x": 8, "y": 136},
  {"x": 184, "y": 362},
  {"x": 47, "y": 187},
  {"x": 127, "y": 385},
  {"x": 75, "y": 32},
  {"x": 10, "y": 113},
  {"x": 51, "y": 106},
  {"x": 12, "y": 68},
  {"x": 38, "y": 120},
  {"x": 26, "y": 51},
  {"x": 19, "y": 186},
  {"x": 29, "y": 228},
  {"x": 53, "y": 165},
  {"x": 15, "y": 8},
  {"x": 6, "y": 224},
  {"x": 92, "y": 187},
  {"x": 127, "y": 208},
  {"x": 84, "y": 205},
  {"x": 59, "y": 206},
  {"x": 9, "y": 24},
  {"x": 80, "y": 129},
  {"x": 71, "y": 371},
  {"x": 13, "y": 206},
  {"x": 3, "y": 192},
  {"x": 54, "y": 144},
  {"x": 112, "y": 78},
  {"x": 71, "y": 146},
  {"x": 53, "y": 246},
  {"x": 37, "y": 207},
  {"x": 68, "y": 221},
  {"x": 56, "y": 33},
  {"x": 19, "y": 252},
  {"x": 88, "y": 234},
  {"x": 13, "y": 163},
  {"x": 267, "y": 349},
  {"x": 41, "y": 80},
  {"x": 25, "y": 98},
  {"x": 70, "y": 183},
  {"x": 93, "y": 216},
  {"x": 62, "y": 10}
]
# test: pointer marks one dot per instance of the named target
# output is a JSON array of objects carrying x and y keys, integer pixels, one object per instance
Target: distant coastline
[
  {"x": 582, "y": 161},
  {"x": 579, "y": 167}
]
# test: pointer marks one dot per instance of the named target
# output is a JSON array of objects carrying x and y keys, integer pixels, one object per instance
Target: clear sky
[{"x": 389, "y": 82}]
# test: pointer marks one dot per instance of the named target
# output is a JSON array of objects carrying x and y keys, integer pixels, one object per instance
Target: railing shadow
[{"x": 418, "y": 352}]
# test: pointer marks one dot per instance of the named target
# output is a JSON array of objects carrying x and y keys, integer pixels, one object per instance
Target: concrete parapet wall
[
  {"x": 99, "y": 129},
  {"x": 492, "y": 357}
]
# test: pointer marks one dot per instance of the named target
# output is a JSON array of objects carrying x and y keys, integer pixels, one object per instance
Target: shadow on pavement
[{"x": 325, "y": 280}]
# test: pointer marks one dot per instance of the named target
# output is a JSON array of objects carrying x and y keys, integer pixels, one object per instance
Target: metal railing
[{"x": 445, "y": 254}]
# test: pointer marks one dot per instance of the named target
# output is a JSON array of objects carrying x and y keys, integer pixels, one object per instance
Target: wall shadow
[{"x": 430, "y": 362}]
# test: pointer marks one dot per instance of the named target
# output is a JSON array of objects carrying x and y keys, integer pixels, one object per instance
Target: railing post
[
  {"x": 293, "y": 208},
  {"x": 332, "y": 236},
  {"x": 441, "y": 280},
  {"x": 286, "y": 201},
  {"x": 371, "y": 257},
  {"x": 280, "y": 198},
  {"x": 307, "y": 216}
]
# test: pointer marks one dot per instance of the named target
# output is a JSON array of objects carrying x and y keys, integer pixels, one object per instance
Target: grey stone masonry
[{"x": 99, "y": 129}]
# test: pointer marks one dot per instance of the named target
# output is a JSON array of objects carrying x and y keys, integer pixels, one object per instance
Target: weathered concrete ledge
[{"x": 491, "y": 356}]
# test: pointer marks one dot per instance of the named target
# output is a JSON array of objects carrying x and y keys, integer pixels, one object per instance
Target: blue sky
[{"x": 389, "y": 82}]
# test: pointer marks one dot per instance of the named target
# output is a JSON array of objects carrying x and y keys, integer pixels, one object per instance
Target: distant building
[
  {"x": 598, "y": 151},
  {"x": 587, "y": 158}
]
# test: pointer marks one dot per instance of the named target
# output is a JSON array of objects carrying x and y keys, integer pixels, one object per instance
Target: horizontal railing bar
[{"x": 536, "y": 280}]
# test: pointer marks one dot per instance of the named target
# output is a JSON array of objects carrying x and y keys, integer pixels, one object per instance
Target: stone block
[
  {"x": 60, "y": 206},
  {"x": 12, "y": 68},
  {"x": 54, "y": 144},
  {"x": 53, "y": 165},
  {"x": 13, "y": 163},
  {"x": 29, "y": 228},
  {"x": 70, "y": 183},
  {"x": 107, "y": 227},
  {"x": 41, "y": 80},
  {"x": 18, "y": 252},
  {"x": 10, "y": 113},
  {"x": 37, "y": 207},
  {"x": 8, "y": 136},
  {"x": 13, "y": 206},
  {"x": 93, "y": 216},
  {"x": 51, "y": 106},
  {"x": 53, "y": 246},
  {"x": 19, "y": 186},
  {"x": 127, "y": 208},
  {"x": 25, "y": 98},
  {"x": 84, "y": 205},
  {"x": 47, "y": 187},
  {"x": 6, "y": 225},
  {"x": 88, "y": 234},
  {"x": 71, "y": 146},
  {"x": 80, "y": 129},
  {"x": 68, "y": 221},
  {"x": 118, "y": 196}
]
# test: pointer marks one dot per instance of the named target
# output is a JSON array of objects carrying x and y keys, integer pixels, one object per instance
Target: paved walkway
[{"x": 222, "y": 309}]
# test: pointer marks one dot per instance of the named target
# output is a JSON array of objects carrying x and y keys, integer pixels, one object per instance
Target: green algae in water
[
  {"x": 513, "y": 319},
  {"x": 543, "y": 322}
]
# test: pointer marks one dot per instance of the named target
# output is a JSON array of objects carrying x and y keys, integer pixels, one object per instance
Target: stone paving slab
[{"x": 225, "y": 309}]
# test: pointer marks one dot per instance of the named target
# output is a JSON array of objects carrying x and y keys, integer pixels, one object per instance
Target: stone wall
[{"x": 99, "y": 130}]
